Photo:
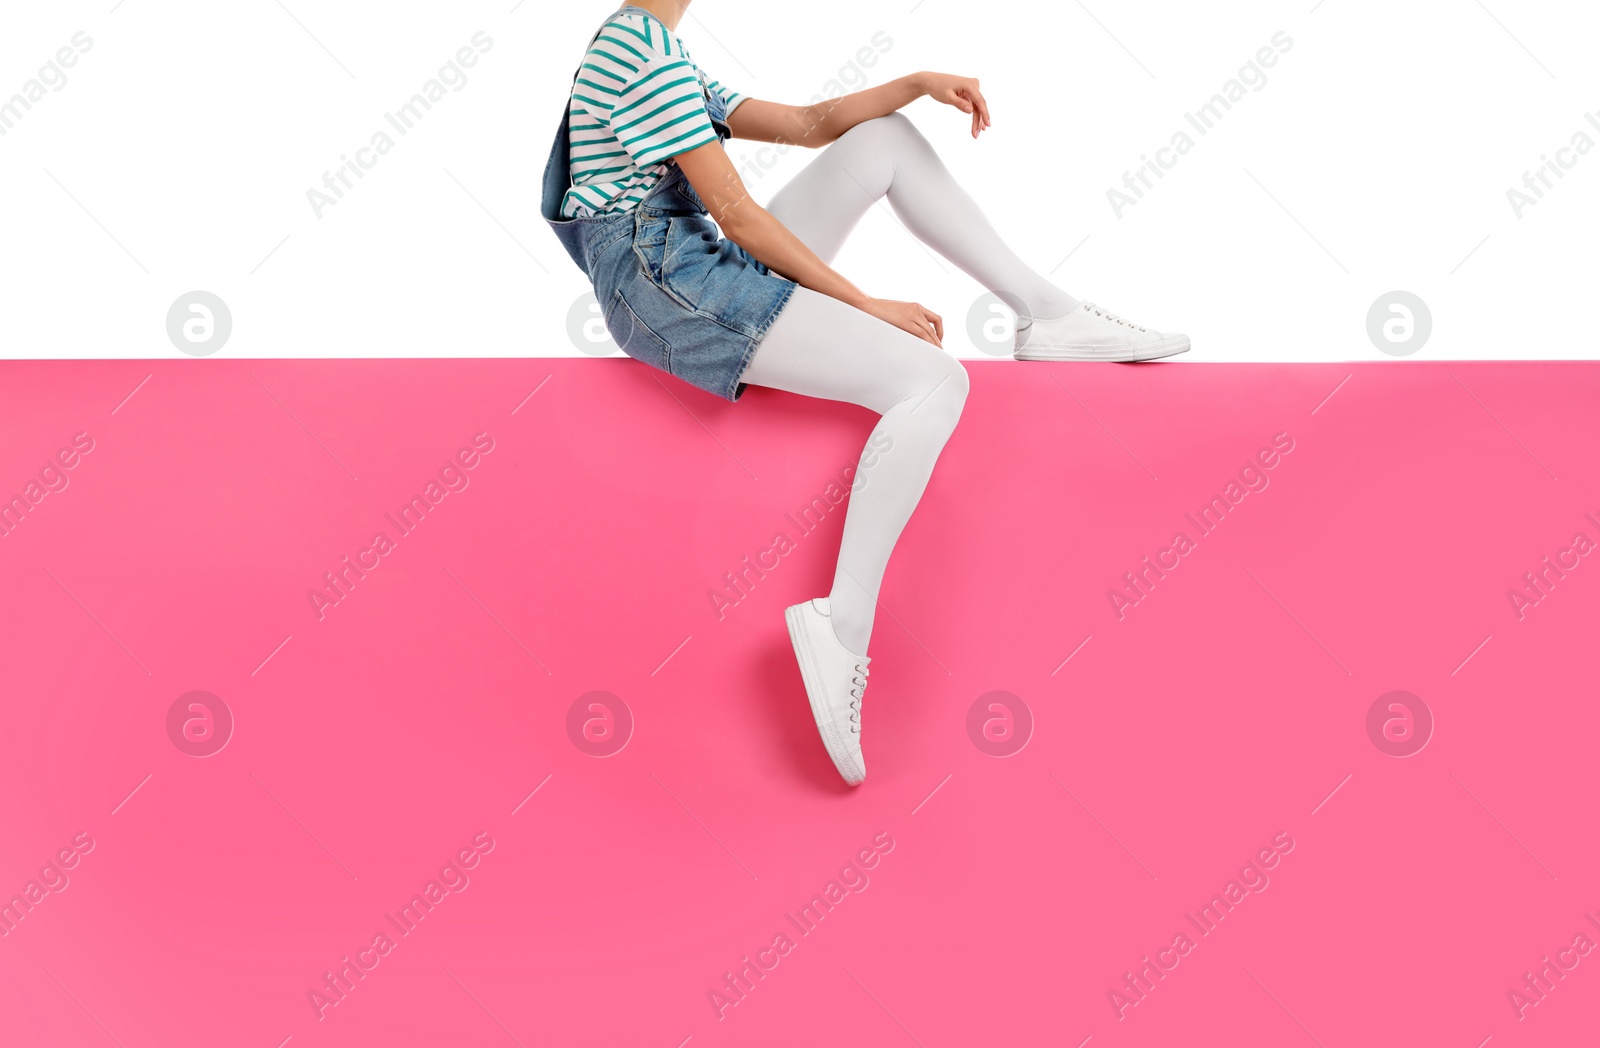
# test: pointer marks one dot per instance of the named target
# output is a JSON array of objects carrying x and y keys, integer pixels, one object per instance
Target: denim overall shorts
[{"x": 674, "y": 293}]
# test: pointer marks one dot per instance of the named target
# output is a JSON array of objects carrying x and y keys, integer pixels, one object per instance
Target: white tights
[{"x": 820, "y": 347}]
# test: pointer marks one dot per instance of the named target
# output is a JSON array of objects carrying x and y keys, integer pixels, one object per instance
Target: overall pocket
[
  {"x": 709, "y": 274},
  {"x": 634, "y": 335},
  {"x": 650, "y": 244}
]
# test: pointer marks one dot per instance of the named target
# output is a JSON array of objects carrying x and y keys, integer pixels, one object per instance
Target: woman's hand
[
  {"x": 908, "y": 316},
  {"x": 961, "y": 92}
]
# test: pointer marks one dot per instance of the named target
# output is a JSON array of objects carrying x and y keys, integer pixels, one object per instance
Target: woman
[{"x": 636, "y": 176}]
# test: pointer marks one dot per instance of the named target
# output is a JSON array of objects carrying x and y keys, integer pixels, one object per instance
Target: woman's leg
[
  {"x": 820, "y": 347},
  {"x": 889, "y": 158}
]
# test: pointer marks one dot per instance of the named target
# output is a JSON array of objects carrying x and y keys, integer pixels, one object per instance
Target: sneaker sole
[
  {"x": 838, "y": 751},
  {"x": 1156, "y": 351}
]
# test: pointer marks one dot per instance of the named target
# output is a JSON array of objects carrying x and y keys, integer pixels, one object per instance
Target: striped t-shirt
[{"x": 638, "y": 101}]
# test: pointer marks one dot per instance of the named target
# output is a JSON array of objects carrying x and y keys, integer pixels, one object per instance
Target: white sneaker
[
  {"x": 1092, "y": 333},
  {"x": 836, "y": 679}
]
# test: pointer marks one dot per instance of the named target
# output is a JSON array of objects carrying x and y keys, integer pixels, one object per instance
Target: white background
[{"x": 1377, "y": 157}]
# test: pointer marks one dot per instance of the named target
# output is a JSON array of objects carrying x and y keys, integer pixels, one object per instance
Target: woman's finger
[
  {"x": 938, "y": 323},
  {"x": 982, "y": 104},
  {"x": 914, "y": 328},
  {"x": 975, "y": 106},
  {"x": 980, "y": 108}
]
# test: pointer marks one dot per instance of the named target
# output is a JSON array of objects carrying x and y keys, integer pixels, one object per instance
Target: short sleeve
[{"x": 657, "y": 109}]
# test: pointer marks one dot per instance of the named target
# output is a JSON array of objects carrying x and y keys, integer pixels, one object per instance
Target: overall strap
[{"x": 557, "y": 170}]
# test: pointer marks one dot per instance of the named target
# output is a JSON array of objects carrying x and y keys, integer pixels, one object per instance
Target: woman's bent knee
[
  {"x": 891, "y": 125},
  {"x": 943, "y": 400},
  {"x": 959, "y": 379}
]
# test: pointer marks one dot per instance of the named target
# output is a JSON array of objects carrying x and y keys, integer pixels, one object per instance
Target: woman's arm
[
  {"x": 753, "y": 228},
  {"x": 819, "y": 124}
]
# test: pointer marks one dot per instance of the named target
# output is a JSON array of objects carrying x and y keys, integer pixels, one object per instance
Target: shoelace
[
  {"x": 859, "y": 680},
  {"x": 1091, "y": 307}
]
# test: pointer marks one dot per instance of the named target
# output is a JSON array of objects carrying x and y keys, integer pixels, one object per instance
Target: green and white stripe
[{"x": 637, "y": 103}]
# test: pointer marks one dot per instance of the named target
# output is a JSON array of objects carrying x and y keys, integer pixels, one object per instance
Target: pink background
[{"x": 1228, "y": 707}]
